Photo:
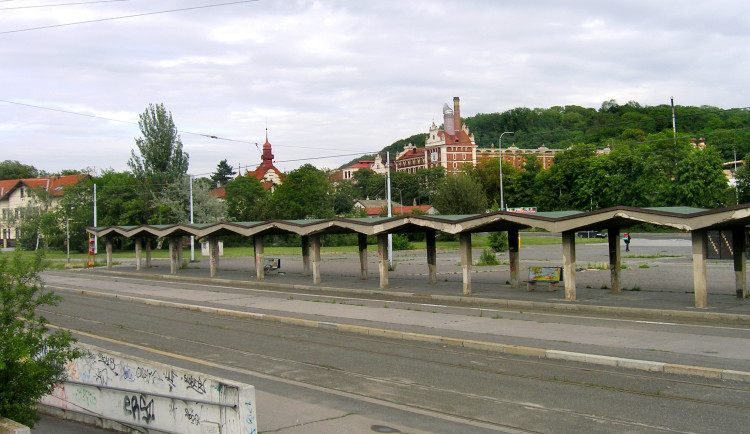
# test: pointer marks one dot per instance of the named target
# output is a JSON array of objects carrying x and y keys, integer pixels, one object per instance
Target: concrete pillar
[
  {"x": 514, "y": 256},
  {"x": 213, "y": 255},
  {"x": 740, "y": 267},
  {"x": 362, "y": 242},
  {"x": 569, "y": 264},
  {"x": 383, "y": 260},
  {"x": 108, "y": 249},
  {"x": 464, "y": 245},
  {"x": 148, "y": 252},
  {"x": 699, "y": 269},
  {"x": 615, "y": 261},
  {"x": 260, "y": 272},
  {"x": 138, "y": 253},
  {"x": 305, "y": 255},
  {"x": 179, "y": 251},
  {"x": 315, "y": 248},
  {"x": 431, "y": 257},
  {"x": 172, "y": 255}
]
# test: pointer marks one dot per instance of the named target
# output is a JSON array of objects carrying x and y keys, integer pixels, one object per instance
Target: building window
[{"x": 21, "y": 189}]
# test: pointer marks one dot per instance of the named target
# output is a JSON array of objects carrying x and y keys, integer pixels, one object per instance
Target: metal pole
[
  {"x": 192, "y": 237},
  {"x": 67, "y": 236},
  {"x": 500, "y": 144},
  {"x": 96, "y": 239},
  {"x": 674, "y": 123},
  {"x": 388, "y": 198},
  {"x": 734, "y": 175}
]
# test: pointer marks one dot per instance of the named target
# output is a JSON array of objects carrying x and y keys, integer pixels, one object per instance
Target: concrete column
[
  {"x": 740, "y": 267},
  {"x": 383, "y": 260},
  {"x": 514, "y": 256},
  {"x": 315, "y": 248},
  {"x": 464, "y": 245},
  {"x": 305, "y": 255},
  {"x": 569, "y": 264},
  {"x": 108, "y": 249},
  {"x": 260, "y": 272},
  {"x": 431, "y": 257},
  {"x": 699, "y": 269},
  {"x": 213, "y": 255},
  {"x": 179, "y": 251},
  {"x": 172, "y": 255},
  {"x": 362, "y": 242},
  {"x": 148, "y": 252},
  {"x": 138, "y": 253},
  {"x": 615, "y": 262}
]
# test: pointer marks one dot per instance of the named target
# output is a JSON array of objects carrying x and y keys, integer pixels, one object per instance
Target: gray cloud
[{"x": 344, "y": 76}]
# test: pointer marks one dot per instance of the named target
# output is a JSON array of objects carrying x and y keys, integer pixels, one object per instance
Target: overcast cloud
[{"x": 339, "y": 77}]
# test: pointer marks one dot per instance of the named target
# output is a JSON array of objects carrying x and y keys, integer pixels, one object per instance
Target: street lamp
[
  {"x": 401, "y": 199},
  {"x": 500, "y": 143}
]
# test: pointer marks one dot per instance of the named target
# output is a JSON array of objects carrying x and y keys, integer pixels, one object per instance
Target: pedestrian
[{"x": 626, "y": 238}]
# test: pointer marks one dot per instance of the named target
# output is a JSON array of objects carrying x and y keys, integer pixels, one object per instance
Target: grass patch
[
  {"x": 644, "y": 266},
  {"x": 656, "y": 256},
  {"x": 597, "y": 266}
]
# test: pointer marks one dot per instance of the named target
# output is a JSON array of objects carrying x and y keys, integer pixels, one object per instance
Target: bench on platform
[
  {"x": 549, "y": 276},
  {"x": 271, "y": 264}
]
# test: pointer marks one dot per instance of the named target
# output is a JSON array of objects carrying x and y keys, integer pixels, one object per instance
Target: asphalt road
[{"x": 373, "y": 384}]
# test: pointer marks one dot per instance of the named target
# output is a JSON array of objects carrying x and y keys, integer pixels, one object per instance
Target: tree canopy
[
  {"x": 161, "y": 159},
  {"x": 12, "y": 169}
]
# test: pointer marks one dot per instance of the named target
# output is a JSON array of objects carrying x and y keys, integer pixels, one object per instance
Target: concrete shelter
[{"x": 695, "y": 220}]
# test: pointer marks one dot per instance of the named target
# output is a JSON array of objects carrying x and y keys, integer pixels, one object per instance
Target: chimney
[
  {"x": 448, "y": 119},
  {"x": 456, "y": 114}
]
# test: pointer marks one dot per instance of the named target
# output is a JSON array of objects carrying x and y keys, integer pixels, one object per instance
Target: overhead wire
[
  {"x": 61, "y": 4},
  {"x": 127, "y": 16}
]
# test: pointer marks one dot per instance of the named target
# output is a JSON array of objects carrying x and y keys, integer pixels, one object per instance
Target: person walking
[{"x": 626, "y": 238}]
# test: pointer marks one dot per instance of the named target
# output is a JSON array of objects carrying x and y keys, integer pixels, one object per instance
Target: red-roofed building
[
  {"x": 266, "y": 172},
  {"x": 16, "y": 199},
  {"x": 452, "y": 147},
  {"x": 375, "y": 165},
  {"x": 268, "y": 175}
]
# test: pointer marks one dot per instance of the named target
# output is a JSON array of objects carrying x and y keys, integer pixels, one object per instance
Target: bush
[
  {"x": 488, "y": 258},
  {"x": 499, "y": 241},
  {"x": 401, "y": 242},
  {"x": 32, "y": 360}
]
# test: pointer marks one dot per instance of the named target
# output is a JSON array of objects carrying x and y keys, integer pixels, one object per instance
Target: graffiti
[
  {"x": 60, "y": 393},
  {"x": 72, "y": 368},
  {"x": 192, "y": 417},
  {"x": 85, "y": 397},
  {"x": 195, "y": 383},
  {"x": 108, "y": 361},
  {"x": 127, "y": 374},
  {"x": 170, "y": 377},
  {"x": 101, "y": 376},
  {"x": 250, "y": 419},
  {"x": 147, "y": 375},
  {"x": 139, "y": 408}
]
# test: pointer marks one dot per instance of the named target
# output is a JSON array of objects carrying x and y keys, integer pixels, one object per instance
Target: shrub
[
  {"x": 499, "y": 241},
  {"x": 487, "y": 258},
  {"x": 401, "y": 242}
]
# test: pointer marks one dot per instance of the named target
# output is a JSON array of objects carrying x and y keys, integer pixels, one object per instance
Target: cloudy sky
[{"x": 333, "y": 78}]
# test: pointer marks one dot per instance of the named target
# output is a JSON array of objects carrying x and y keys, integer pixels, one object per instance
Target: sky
[{"x": 331, "y": 80}]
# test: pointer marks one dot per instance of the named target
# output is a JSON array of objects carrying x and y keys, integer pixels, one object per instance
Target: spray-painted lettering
[
  {"x": 192, "y": 417},
  {"x": 195, "y": 383},
  {"x": 139, "y": 408}
]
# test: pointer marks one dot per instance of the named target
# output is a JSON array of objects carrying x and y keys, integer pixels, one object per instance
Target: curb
[
  {"x": 542, "y": 353},
  {"x": 512, "y": 304}
]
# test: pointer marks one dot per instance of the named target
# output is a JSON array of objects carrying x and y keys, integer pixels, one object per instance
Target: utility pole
[
  {"x": 96, "y": 246},
  {"x": 388, "y": 198},
  {"x": 734, "y": 175},
  {"x": 500, "y": 144},
  {"x": 192, "y": 237}
]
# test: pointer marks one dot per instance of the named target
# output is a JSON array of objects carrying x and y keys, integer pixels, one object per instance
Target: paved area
[{"x": 649, "y": 326}]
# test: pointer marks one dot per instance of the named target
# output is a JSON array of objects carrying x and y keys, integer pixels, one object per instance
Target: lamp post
[
  {"x": 500, "y": 144},
  {"x": 401, "y": 198}
]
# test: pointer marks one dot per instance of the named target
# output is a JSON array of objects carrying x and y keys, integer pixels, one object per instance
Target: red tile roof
[{"x": 54, "y": 185}]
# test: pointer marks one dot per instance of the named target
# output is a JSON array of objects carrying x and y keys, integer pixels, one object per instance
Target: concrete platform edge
[{"x": 542, "y": 353}]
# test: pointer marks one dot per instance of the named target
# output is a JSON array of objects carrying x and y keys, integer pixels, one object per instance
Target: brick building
[{"x": 451, "y": 148}]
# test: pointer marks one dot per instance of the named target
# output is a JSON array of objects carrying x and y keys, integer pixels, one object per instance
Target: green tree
[
  {"x": 460, "y": 194},
  {"x": 224, "y": 173},
  {"x": 246, "y": 199},
  {"x": 305, "y": 193},
  {"x": 32, "y": 360},
  {"x": 700, "y": 181},
  {"x": 172, "y": 203},
  {"x": 161, "y": 159},
  {"x": 12, "y": 169}
]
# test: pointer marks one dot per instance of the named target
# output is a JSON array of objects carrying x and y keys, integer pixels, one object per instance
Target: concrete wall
[{"x": 153, "y": 396}]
